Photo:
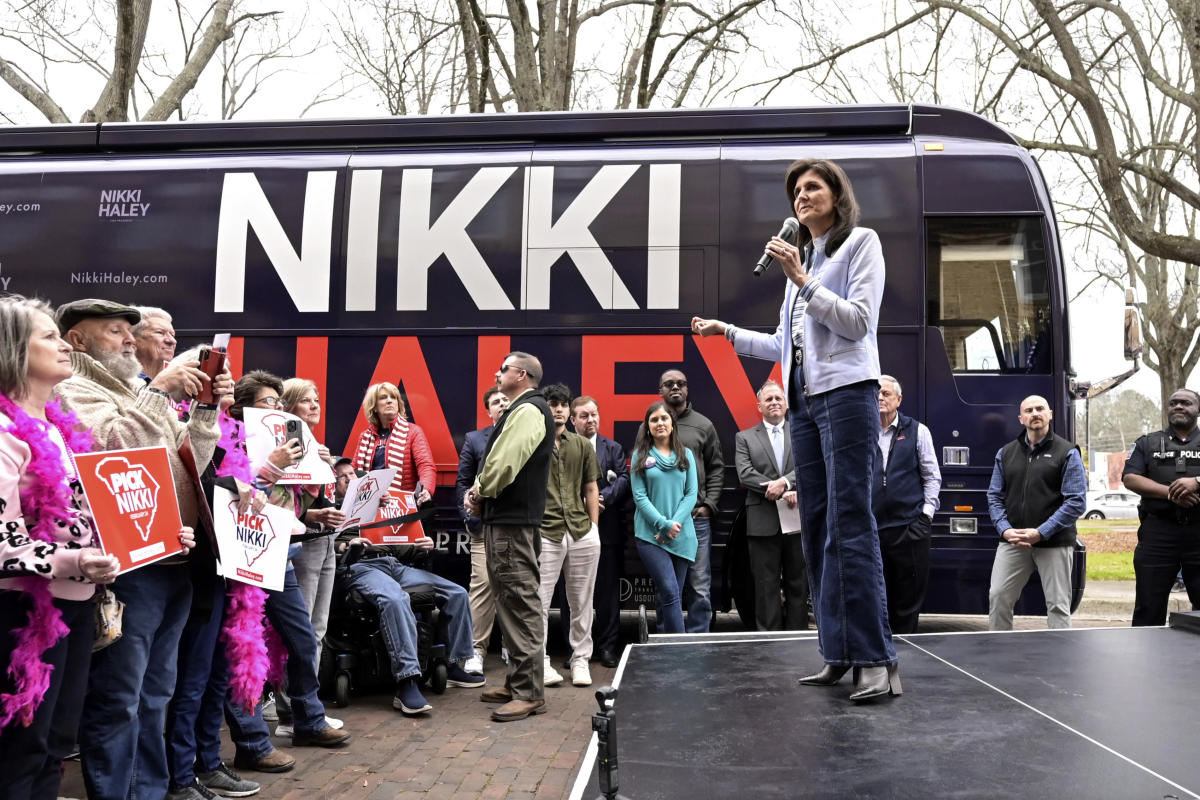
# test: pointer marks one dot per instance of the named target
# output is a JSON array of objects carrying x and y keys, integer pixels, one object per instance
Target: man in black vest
[
  {"x": 904, "y": 497},
  {"x": 1038, "y": 490},
  {"x": 1164, "y": 468},
  {"x": 509, "y": 495}
]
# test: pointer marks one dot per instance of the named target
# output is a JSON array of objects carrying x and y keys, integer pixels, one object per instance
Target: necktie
[{"x": 777, "y": 443}]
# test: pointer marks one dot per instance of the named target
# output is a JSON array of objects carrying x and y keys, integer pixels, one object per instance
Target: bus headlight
[{"x": 964, "y": 525}]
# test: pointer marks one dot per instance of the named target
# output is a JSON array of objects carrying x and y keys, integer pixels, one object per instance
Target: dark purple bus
[{"x": 420, "y": 250}]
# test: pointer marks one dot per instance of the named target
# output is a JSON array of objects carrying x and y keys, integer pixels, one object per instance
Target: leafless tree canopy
[
  {"x": 428, "y": 56},
  {"x": 1110, "y": 88},
  {"x": 108, "y": 43}
]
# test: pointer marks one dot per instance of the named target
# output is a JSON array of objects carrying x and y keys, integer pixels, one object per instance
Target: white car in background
[{"x": 1116, "y": 504}]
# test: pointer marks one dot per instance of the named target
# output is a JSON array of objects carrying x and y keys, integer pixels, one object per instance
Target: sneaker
[
  {"x": 409, "y": 700},
  {"x": 289, "y": 729},
  {"x": 550, "y": 676},
  {"x": 195, "y": 791},
  {"x": 268, "y": 711},
  {"x": 580, "y": 674},
  {"x": 474, "y": 664},
  {"x": 504, "y": 654},
  {"x": 463, "y": 678},
  {"x": 227, "y": 783}
]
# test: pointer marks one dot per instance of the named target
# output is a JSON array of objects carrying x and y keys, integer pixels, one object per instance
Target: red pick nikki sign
[
  {"x": 395, "y": 504},
  {"x": 132, "y": 495}
]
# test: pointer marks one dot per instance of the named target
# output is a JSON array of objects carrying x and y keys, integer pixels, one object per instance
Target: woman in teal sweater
[{"x": 664, "y": 492}]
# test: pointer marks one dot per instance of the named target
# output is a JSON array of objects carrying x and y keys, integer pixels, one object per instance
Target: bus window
[{"x": 988, "y": 291}]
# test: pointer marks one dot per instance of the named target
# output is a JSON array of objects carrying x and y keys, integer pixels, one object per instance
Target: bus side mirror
[{"x": 1133, "y": 327}]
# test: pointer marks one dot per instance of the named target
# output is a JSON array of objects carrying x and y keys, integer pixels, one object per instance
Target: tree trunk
[
  {"x": 133, "y": 20},
  {"x": 218, "y": 30}
]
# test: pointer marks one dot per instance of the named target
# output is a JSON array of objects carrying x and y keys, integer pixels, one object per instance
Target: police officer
[{"x": 1164, "y": 468}]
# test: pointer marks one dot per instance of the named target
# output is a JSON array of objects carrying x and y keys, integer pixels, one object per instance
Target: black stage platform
[{"x": 1096, "y": 713}]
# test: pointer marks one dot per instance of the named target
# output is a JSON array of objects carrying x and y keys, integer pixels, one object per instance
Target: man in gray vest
[
  {"x": 509, "y": 495},
  {"x": 1037, "y": 492},
  {"x": 903, "y": 498}
]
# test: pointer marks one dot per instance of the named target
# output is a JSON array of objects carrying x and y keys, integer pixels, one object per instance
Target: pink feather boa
[
  {"x": 44, "y": 502},
  {"x": 255, "y": 651}
]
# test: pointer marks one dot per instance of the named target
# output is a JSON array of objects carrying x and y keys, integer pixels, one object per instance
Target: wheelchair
[{"x": 354, "y": 655}]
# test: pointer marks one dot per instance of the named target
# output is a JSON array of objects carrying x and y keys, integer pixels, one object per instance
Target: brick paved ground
[{"x": 456, "y": 752}]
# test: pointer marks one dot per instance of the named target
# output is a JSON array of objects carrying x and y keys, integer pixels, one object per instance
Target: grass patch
[
  {"x": 1100, "y": 526},
  {"x": 1110, "y": 566}
]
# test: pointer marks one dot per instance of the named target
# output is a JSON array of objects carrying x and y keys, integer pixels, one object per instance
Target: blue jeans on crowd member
[
  {"x": 668, "y": 571},
  {"x": 384, "y": 583},
  {"x": 697, "y": 591},
  {"x": 131, "y": 682},
  {"x": 835, "y": 441},
  {"x": 289, "y": 616},
  {"x": 196, "y": 649}
]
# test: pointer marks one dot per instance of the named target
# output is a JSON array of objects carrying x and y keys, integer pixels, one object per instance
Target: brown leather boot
[
  {"x": 496, "y": 694},
  {"x": 518, "y": 709},
  {"x": 274, "y": 761},
  {"x": 326, "y": 737}
]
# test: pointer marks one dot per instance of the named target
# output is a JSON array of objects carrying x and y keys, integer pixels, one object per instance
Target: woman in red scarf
[
  {"x": 48, "y": 566},
  {"x": 391, "y": 441}
]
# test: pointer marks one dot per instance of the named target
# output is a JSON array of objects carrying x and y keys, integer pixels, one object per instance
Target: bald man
[{"x": 1038, "y": 490}]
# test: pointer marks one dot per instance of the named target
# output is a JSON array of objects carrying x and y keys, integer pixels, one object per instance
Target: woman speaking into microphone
[{"x": 826, "y": 344}]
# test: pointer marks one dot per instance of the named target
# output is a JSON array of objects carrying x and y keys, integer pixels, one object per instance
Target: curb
[{"x": 1119, "y": 606}]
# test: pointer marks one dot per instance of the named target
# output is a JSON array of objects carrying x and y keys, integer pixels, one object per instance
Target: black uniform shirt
[{"x": 1164, "y": 457}]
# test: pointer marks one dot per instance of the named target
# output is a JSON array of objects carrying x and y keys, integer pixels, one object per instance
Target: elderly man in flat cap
[{"x": 132, "y": 681}]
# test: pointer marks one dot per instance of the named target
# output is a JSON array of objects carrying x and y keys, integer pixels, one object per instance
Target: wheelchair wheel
[
  {"x": 643, "y": 626},
  {"x": 437, "y": 678},
  {"x": 341, "y": 690}
]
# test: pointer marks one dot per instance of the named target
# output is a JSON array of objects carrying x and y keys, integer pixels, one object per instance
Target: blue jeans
[
  {"x": 697, "y": 591},
  {"x": 121, "y": 732},
  {"x": 195, "y": 670},
  {"x": 383, "y": 581},
  {"x": 835, "y": 441},
  {"x": 668, "y": 571},
  {"x": 289, "y": 616}
]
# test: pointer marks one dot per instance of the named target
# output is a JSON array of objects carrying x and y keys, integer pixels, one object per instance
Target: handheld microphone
[{"x": 790, "y": 226}]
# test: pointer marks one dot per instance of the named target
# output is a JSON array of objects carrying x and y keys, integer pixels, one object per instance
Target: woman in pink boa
[{"x": 48, "y": 565}]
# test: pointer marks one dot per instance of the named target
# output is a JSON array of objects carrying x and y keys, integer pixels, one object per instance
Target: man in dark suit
[
  {"x": 764, "y": 467},
  {"x": 483, "y": 605},
  {"x": 614, "y": 494}
]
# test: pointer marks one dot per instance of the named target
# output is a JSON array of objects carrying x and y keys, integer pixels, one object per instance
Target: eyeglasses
[
  {"x": 506, "y": 367},
  {"x": 269, "y": 402},
  {"x": 674, "y": 384}
]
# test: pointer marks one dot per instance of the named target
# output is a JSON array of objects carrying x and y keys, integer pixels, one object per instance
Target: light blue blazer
[{"x": 839, "y": 324}]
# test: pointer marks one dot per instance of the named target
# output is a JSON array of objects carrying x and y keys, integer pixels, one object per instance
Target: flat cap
[{"x": 71, "y": 314}]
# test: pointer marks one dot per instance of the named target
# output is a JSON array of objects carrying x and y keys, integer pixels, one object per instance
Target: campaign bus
[{"x": 421, "y": 250}]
